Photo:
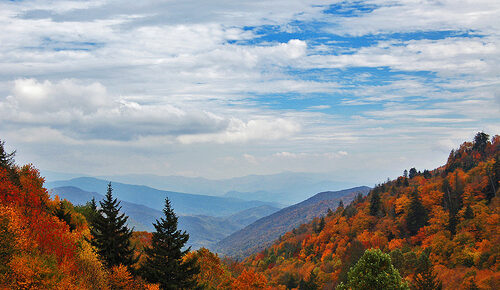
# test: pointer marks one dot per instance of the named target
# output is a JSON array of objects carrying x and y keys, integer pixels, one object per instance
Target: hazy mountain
[
  {"x": 183, "y": 203},
  {"x": 204, "y": 231},
  {"x": 285, "y": 188},
  {"x": 265, "y": 231}
]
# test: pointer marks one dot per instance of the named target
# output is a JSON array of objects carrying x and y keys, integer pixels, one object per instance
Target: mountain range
[
  {"x": 263, "y": 232},
  {"x": 183, "y": 203},
  {"x": 227, "y": 224},
  {"x": 285, "y": 188},
  {"x": 204, "y": 230}
]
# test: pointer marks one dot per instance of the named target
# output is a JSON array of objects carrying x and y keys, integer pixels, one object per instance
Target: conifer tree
[
  {"x": 164, "y": 258},
  {"x": 374, "y": 203},
  {"x": 321, "y": 225},
  {"x": 413, "y": 172},
  {"x": 469, "y": 213},
  {"x": 8, "y": 163},
  {"x": 61, "y": 213},
  {"x": 417, "y": 215},
  {"x": 111, "y": 236},
  {"x": 425, "y": 278},
  {"x": 311, "y": 284}
]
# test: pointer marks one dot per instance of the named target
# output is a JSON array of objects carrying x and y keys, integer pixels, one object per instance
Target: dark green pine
[
  {"x": 374, "y": 203},
  {"x": 164, "y": 258},
  {"x": 111, "y": 236},
  {"x": 417, "y": 215}
]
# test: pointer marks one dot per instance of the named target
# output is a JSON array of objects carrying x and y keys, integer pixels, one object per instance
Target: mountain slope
[
  {"x": 204, "y": 231},
  {"x": 264, "y": 231},
  {"x": 183, "y": 203},
  {"x": 286, "y": 187},
  {"x": 444, "y": 222}
]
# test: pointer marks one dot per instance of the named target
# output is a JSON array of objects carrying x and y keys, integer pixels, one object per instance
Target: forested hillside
[
  {"x": 425, "y": 230},
  {"x": 439, "y": 226},
  {"x": 204, "y": 231},
  {"x": 49, "y": 243},
  {"x": 44, "y": 242},
  {"x": 263, "y": 232}
]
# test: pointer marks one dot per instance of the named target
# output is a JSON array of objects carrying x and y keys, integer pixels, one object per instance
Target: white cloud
[
  {"x": 181, "y": 83},
  {"x": 319, "y": 107},
  {"x": 48, "y": 97},
  {"x": 450, "y": 56},
  {"x": 250, "y": 158},
  {"x": 409, "y": 16},
  {"x": 253, "y": 130},
  {"x": 302, "y": 155},
  {"x": 88, "y": 111}
]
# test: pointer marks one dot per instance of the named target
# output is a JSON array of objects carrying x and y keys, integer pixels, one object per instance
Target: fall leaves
[{"x": 452, "y": 211}]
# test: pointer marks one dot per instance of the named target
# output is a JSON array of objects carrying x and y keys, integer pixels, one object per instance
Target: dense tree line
[
  {"x": 425, "y": 230},
  {"x": 439, "y": 228}
]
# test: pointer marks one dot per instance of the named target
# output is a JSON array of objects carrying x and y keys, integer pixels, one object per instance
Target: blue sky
[{"x": 360, "y": 90}]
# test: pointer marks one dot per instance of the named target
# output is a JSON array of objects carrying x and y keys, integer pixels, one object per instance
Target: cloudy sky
[{"x": 357, "y": 89}]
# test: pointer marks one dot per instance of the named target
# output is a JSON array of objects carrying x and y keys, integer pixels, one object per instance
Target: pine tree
[
  {"x": 321, "y": 225},
  {"x": 93, "y": 212},
  {"x": 480, "y": 141},
  {"x": 413, "y": 172},
  {"x": 164, "y": 258},
  {"x": 61, "y": 213},
  {"x": 7, "y": 162},
  {"x": 469, "y": 213},
  {"x": 425, "y": 278},
  {"x": 417, "y": 215},
  {"x": 111, "y": 236},
  {"x": 374, "y": 203},
  {"x": 311, "y": 284}
]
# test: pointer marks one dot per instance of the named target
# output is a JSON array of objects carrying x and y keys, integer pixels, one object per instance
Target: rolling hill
[
  {"x": 285, "y": 188},
  {"x": 204, "y": 230},
  {"x": 183, "y": 203},
  {"x": 264, "y": 231}
]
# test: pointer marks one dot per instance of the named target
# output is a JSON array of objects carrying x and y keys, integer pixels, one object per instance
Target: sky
[{"x": 360, "y": 90}]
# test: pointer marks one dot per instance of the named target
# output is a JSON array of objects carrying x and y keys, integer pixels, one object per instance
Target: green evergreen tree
[
  {"x": 111, "y": 236},
  {"x": 7, "y": 162},
  {"x": 311, "y": 284},
  {"x": 413, "y": 172},
  {"x": 164, "y": 264},
  {"x": 375, "y": 204},
  {"x": 373, "y": 271},
  {"x": 481, "y": 140},
  {"x": 425, "y": 278},
  {"x": 88, "y": 210},
  {"x": 494, "y": 179},
  {"x": 469, "y": 213},
  {"x": 397, "y": 259},
  {"x": 62, "y": 213},
  {"x": 321, "y": 225},
  {"x": 417, "y": 215}
]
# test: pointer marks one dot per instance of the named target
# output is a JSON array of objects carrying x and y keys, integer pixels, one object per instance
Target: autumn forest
[{"x": 427, "y": 229}]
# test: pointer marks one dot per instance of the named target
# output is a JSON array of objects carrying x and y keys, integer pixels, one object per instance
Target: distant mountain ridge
[
  {"x": 263, "y": 232},
  {"x": 183, "y": 203},
  {"x": 204, "y": 231},
  {"x": 285, "y": 188}
]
